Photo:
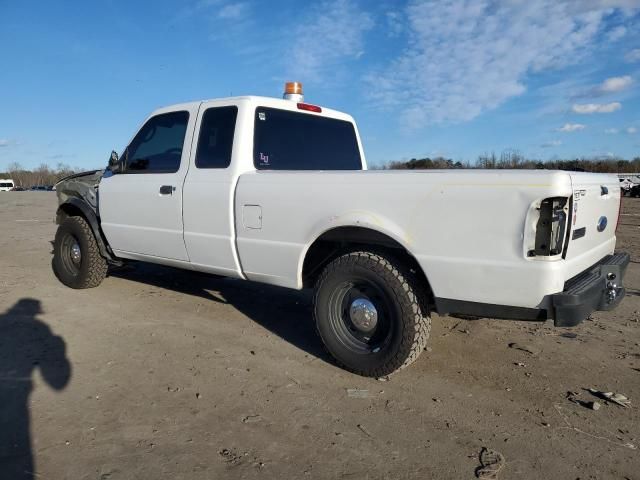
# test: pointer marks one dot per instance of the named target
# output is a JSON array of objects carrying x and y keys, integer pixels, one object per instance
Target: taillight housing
[
  {"x": 551, "y": 227},
  {"x": 619, "y": 211}
]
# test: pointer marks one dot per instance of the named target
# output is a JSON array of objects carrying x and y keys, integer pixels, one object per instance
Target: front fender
[{"x": 74, "y": 203}]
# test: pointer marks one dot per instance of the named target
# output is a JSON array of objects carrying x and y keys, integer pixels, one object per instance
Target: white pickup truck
[{"x": 278, "y": 191}]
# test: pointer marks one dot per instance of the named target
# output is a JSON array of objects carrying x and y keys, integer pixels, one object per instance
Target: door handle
[{"x": 167, "y": 189}]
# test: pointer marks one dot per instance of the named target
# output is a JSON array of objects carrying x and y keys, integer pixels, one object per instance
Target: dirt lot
[{"x": 160, "y": 373}]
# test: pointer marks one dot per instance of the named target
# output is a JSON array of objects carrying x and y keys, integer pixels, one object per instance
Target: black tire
[
  {"x": 89, "y": 269},
  {"x": 403, "y": 324}
]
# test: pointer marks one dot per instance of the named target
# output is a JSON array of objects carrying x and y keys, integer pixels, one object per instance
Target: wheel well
[
  {"x": 67, "y": 210},
  {"x": 341, "y": 240}
]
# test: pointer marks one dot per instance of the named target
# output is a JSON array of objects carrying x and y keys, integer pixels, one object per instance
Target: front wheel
[
  {"x": 76, "y": 257},
  {"x": 370, "y": 314}
]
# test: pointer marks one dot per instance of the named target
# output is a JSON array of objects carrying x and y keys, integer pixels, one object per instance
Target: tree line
[
  {"x": 515, "y": 160},
  {"x": 42, "y": 175},
  {"x": 508, "y": 159}
]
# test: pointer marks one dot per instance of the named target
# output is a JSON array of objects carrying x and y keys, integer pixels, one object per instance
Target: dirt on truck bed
[{"x": 162, "y": 373}]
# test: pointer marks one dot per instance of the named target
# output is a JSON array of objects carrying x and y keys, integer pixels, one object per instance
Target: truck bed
[{"x": 459, "y": 225}]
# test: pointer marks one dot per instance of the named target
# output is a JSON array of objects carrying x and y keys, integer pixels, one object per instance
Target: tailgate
[{"x": 596, "y": 201}]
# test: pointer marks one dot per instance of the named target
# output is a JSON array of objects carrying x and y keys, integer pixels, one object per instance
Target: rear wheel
[
  {"x": 370, "y": 313},
  {"x": 76, "y": 257}
]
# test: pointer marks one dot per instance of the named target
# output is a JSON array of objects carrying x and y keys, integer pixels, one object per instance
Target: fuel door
[{"x": 252, "y": 216}]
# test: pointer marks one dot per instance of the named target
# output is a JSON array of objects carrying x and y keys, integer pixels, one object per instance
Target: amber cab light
[{"x": 292, "y": 88}]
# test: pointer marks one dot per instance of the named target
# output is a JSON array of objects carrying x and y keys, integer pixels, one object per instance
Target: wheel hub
[
  {"x": 75, "y": 253},
  {"x": 363, "y": 315}
]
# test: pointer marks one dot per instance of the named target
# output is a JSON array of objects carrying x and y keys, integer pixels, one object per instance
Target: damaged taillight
[
  {"x": 619, "y": 212},
  {"x": 551, "y": 227}
]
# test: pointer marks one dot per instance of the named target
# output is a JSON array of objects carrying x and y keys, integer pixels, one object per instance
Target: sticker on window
[
  {"x": 264, "y": 159},
  {"x": 262, "y": 116}
]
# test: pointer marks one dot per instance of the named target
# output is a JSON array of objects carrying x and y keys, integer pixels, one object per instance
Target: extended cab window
[
  {"x": 157, "y": 148},
  {"x": 287, "y": 140},
  {"x": 216, "y": 137}
]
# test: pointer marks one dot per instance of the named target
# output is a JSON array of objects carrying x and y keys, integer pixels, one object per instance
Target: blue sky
[{"x": 551, "y": 78}]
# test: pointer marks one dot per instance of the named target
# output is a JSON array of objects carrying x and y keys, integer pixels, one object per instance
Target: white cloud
[
  {"x": 631, "y": 130},
  {"x": 624, "y": 4},
  {"x": 207, "y": 3},
  {"x": 333, "y": 34},
  {"x": 4, "y": 142},
  {"x": 611, "y": 131},
  {"x": 615, "y": 84},
  {"x": 191, "y": 9},
  {"x": 617, "y": 33},
  {"x": 552, "y": 143},
  {"x": 633, "y": 55},
  {"x": 589, "y": 108},
  {"x": 232, "y": 11},
  {"x": 607, "y": 87},
  {"x": 571, "y": 127},
  {"x": 395, "y": 24},
  {"x": 468, "y": 56}
]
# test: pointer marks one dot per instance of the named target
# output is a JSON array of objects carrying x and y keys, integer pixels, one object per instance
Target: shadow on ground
[
  {"x": 285, "y": 312},
  {"x": 26, "y": 345}
]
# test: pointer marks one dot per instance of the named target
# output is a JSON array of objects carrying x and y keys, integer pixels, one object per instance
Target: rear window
[{"x": 287, "y": 140}]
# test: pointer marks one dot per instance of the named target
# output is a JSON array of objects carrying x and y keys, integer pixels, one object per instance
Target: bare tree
[
  {"x": 42, "y": 175},
  {"x": 17, "y": 173}
]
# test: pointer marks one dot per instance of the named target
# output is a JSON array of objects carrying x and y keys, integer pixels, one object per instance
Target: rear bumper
[{"x": 597, "y": 288}]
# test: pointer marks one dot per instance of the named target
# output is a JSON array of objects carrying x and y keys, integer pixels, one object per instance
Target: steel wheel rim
[
  {"x": 358, "y": 336},
  {"x": 71, "y": 254}
]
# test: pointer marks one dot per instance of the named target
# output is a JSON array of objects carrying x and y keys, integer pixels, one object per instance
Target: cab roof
[{"x": 256, "y": 101}]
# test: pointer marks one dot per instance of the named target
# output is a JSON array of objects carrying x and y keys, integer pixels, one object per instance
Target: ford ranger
[{"x": 278, "y": 191}]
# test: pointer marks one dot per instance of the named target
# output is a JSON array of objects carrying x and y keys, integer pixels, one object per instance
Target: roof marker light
[{"x": 309, "y": 107}]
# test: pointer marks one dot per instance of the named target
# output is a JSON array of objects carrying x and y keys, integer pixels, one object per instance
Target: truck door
[
  {"x": 141, "y": 207},
  {"x": 209, "y": 190}
]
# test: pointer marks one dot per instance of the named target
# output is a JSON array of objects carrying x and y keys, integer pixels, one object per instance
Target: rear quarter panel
[{"x": 466, "y": 229}]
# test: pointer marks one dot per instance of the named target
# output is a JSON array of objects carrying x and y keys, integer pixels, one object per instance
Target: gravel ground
[{"x": 161, "y": 373}]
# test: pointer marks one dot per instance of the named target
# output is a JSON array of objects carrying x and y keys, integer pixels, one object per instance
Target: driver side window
[{"x": 157, "y": 148}]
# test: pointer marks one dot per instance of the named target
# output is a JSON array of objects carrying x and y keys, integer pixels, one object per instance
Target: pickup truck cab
[{"x": 278, "y": 191}]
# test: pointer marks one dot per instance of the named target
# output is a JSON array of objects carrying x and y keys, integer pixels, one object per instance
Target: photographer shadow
[{"x": 26, "y": 345}]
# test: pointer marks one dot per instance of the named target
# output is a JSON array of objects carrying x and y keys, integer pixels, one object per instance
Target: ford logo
[{"x": 602, "y": 224}]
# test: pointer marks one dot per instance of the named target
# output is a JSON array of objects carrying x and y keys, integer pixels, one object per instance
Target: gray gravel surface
[{"x": 161, "y": 373}]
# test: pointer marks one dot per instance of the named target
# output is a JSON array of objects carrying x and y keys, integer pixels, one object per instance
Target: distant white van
[{"x": 6, "y": 184}]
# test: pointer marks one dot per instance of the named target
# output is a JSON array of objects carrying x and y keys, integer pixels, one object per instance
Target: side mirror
[{"x": 114, "y": 162}]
